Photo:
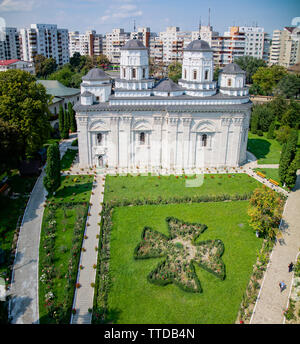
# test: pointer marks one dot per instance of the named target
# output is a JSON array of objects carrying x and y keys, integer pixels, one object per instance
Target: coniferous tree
[
  {"x": 271, "y": 130},
  {"x": 61, "y": 116},
  {"x": 287, "y": 155},
  {"x": 291, "y": 174},
  {"x": 72, "y": 119},
  {"x": 66, "y": 125},
  {"x": 52, "y": 177}
]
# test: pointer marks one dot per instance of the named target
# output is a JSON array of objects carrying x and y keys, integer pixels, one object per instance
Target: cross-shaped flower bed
[{"x": 181, "y": 251}]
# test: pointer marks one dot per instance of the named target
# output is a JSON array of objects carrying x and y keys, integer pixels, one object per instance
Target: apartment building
[
  {"x": 6, "y": 65},
  {"x": 9, "y": 44},
  {"x": 257, "y": 42},
  {"x": 89, "y": 43},
  {"x": 285, "y": 47},
  {"x": 113, "y": 42},
  {"x": 46, "y": 40},
  {"x": 143, "y": 34}
]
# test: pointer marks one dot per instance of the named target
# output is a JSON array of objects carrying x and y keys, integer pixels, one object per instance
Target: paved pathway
[
  {"x": 24, "y": 287},
  {"x": 272, "y": 303},
  {"x": 84, "y": 296}
]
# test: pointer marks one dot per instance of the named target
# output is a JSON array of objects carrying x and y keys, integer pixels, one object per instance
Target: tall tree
[
  {"x": 289, "y": 86},
  {"x": 24, "y": 104},
  {"x": 291, "y": 116},
  {"x": 291, "y": 174},
  {"x": 44, "y": 66},
  {"x": 75, "y": 60},
  {"x": 52, "y": 178},
  {"x": 175, "y": 71},
  {"x": 73, "y": 126},
  {"x": 61, "y": 119},
  {"x": 267, "y": 78},
  {"x": 250, "y": 65},
  {"x": 288, "y": 155}
]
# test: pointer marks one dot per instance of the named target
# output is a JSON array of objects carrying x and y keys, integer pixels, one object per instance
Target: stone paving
[
  {"x": 84, "y": 296},
  {"x": 23, "y": 306},
  {"x": 271, "y": 302}
]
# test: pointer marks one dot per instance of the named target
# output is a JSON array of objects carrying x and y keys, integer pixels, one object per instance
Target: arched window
[
  {"x": 133, "y": 73},
  {"x": 142, "y": 138},
  {"x": 206, "y": 75},
  {"x": 99, "y": 139},
  {"x": 229, "y": 82},
  {"x": 204, "y": 140},
  {"x": 195, "y": 74},
  {"x": 100, "y": 160}
]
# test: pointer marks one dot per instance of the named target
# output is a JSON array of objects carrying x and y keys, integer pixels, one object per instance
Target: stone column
[
  {"x": 186, "y": 121},
  {"x": 236, "y": 149},
  {"x": 124, "y": 141},
  {"x": 83, "y": 146},
  {"x": 223, "y": 146},
  {"x": 113, "y": 143},
  {"x": 172, "y": 141},
  {"x": 156, "y": 142}
]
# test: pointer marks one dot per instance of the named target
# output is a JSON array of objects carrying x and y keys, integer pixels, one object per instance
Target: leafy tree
[
  {"x": 52, "y": 170},
  {"x": 24, "y": 105},
  {"x": 291, "y": 174},
  {"x": 250, "y": 65},
  {"x": 266, "y": 78},
  {"x": 265, "y": 210},
  {"x": 278, "y": 105},
  {"x": 75, "y": 60},
  {"x": 291, "y": 116},
  {"x": 44, "y": 66},
  {"x": 265, "y": 116},
  {"x": 61, "y": 119},
  {"x": 282, "y": 134},
  {"x": 174, "y": 71},
  {"x": 66, "y": 125},
  {"x": 288, "y": 155},
  {"x": 254, "y": 122},
  {"x": 10, "y": 146},
  {"x": 289, "y": 86},
  {"x": 102, "y": 60},
  {"x": 63, "y": 75},
  {"x": 271, "y": 131}
]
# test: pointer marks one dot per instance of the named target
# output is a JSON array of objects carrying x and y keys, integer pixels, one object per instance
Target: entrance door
[{"x": 100, "y": 161}]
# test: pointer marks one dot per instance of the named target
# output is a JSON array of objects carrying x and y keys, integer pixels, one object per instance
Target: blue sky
[{"x": 103, "y": 15}]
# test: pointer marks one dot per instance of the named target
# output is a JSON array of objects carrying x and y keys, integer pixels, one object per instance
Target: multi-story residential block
[
  {"x": 156, "y": 50},
  {"x": 89, "y": 43},
  {"x": 46, "y": 40},
  {"x": 114, "y": 41},
  {"x": 143, "y": 34},
  {"x": 285, "y": 47},
  {"x": 256, "y": 42},
  {"x": 9, "y": 45}
]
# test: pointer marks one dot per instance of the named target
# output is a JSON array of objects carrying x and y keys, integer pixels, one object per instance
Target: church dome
[
  {"x": 232, "y": 68},
  {"x": 168, "y": 85},
  {"x": 198, "y": 45},
  {"x": 96, "y": 74},
  {"x": 134, "y": 44}
]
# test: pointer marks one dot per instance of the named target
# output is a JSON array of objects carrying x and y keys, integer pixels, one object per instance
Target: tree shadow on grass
[
  {"x": 76, "y": 189},
  {"x": 259, "y": 147}
]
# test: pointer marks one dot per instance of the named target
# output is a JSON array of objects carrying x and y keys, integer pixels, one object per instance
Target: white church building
[{"x": 140, "y": 122}]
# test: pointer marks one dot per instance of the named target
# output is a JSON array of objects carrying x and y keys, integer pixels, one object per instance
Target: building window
[
  {"x": 195, "y": 74},
  {"x": 100, "y": 160},
  {"x": 204, "y": 140},
  {"x": 97, "y": 98},
  {"x": 133, "y": 73},
  {"x": 185, "y": 73},
  {"x": 144, "y": 73},
  {"x": 229, "y": 82},
  {"x": 99, "y": 138},
  {"x": 206, "y": 75},
  {"x": 142, "y": 138},
  {"x": 124, "y": 73}
]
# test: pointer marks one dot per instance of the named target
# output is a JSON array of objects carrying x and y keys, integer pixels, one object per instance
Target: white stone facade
[{"x": 163, "y": 125}]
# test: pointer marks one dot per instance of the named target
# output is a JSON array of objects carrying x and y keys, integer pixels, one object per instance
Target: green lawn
[
  {"x": 267, "y": 151},
  {"x": 71, "y": 201},
  {"x": 270, "y": 173},
  {"x": 130, "y": 188},
  {"x": 134, "y": 300},
  {"x": 10, "y": 211},
  {"x": 68, "y": 159}
]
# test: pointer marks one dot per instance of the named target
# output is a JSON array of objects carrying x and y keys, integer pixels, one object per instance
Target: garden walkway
[
  {"x": 271, "y": 302},
  {"x": 23, "y": 307},
  {"x": 84, "y": 296}
]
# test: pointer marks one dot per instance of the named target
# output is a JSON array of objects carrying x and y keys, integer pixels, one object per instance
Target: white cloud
[
  {"x": 120, "y": 12},
  {"x": 16, "y": 5}
]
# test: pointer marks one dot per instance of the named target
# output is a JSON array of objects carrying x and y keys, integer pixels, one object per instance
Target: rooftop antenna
[
  {"x": 209, "y": 17},
  {"x": 134, "y": 28}
]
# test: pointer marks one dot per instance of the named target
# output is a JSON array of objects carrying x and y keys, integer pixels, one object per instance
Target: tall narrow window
[
  {"x": 195, "y": 74},
  {"x": 144, "y": 73},
  {"x": 206, "y": 75},
  {"x": 124, "y": 73},
  {"x": 142, "y": 138},
  {"x": 229, "y": 82},
  {"x": 133, "y": 73},
  {"x": 99, "y": 138},
  {"x": 185, "y": 73},
  {"x": 204, "y": 140}
]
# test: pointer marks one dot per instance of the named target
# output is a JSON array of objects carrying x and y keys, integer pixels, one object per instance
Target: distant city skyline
[{"x": 103, "y": 15}]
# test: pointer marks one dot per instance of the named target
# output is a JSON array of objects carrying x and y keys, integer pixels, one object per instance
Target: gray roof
[
  {"x": 57, "y": 89},
  {"x": 232, "y": 68},
  {"x": 96, "y": 74},
  {"x": 134, "y": 44},
  {"x": 198, "y": 45},
  {"x": 86, "y": 94},
  {"x": 167, "y": 85}
]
